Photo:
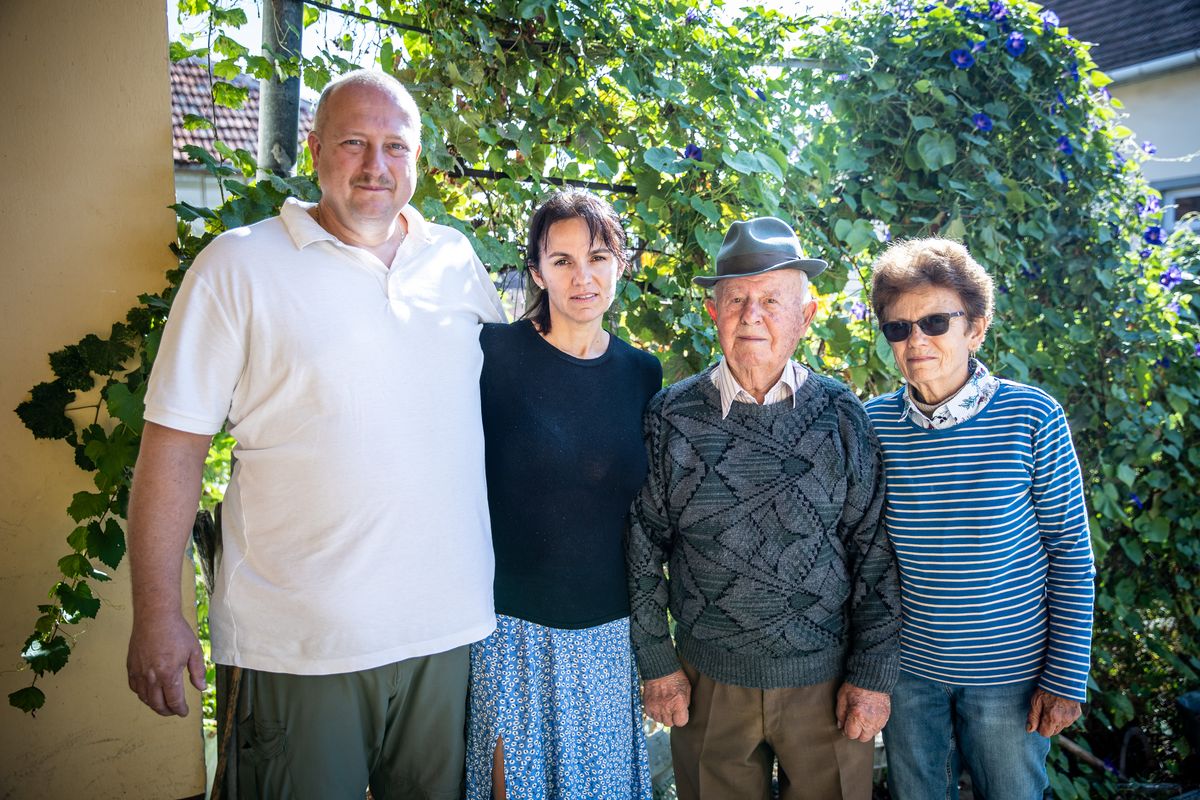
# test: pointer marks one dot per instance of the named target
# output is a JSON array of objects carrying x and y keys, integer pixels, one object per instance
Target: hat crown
[{"x": 757, "y": 243}]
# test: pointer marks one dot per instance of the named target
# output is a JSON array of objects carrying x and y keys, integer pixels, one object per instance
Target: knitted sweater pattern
[{"x": 770, "y": 524}]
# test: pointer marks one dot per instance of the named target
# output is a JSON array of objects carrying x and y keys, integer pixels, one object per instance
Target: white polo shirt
[{"x": 355, "y": 529}]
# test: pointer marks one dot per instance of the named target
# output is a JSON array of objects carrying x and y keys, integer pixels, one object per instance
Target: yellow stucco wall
[{"x": 85, "y": 166}]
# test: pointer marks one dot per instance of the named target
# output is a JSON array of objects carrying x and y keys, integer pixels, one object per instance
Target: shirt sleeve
[
  {"x": 648, "y": 541},
  {"x": 493, "y": 309},
  {"x": 1057, "y": 491},
  {"x": 199, "y": 360},
  {"x": 873, "y": 661}
]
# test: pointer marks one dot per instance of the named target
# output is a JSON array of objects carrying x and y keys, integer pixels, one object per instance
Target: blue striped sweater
[{"x": 991, "y": 535}]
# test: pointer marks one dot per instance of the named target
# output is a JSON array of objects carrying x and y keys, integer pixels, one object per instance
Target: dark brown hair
[
  {"x": 603, "y": 225},
  {"x": 912, "y": 264}
]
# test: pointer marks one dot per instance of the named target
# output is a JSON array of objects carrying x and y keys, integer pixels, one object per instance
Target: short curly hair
[{"x": 916, "y": 263}]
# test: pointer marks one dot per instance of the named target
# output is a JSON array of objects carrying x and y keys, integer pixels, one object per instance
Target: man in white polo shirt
[{"x": 339, "y": 344}]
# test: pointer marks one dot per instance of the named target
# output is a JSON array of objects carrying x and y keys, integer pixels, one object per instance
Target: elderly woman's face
[{"x": 936, "y": 366}]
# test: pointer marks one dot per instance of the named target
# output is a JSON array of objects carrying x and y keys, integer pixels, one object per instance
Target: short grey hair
[{"x": 367, "y": 77}]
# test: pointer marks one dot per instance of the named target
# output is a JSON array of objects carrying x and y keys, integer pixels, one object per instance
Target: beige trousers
[{"x": 735, "y": 734}]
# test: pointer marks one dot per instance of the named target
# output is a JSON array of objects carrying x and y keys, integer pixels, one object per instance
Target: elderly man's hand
[
  {"x": 666, "y": 699},
  {"x": 862, "y": 713},
  {"x": 1049, "y": 714}
]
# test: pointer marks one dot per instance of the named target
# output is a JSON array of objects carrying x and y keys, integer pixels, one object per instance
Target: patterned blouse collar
[{"x": 964, "y": 404}]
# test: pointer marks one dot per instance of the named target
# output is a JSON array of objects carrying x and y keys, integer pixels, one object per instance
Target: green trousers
[{"x": 398, "y": 729}]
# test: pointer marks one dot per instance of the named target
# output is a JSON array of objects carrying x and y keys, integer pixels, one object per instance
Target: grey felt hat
[{"x": 760, "y": 245}]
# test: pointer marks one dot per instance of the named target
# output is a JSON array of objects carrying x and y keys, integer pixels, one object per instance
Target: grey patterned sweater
[{"x": 770, "y": 524}]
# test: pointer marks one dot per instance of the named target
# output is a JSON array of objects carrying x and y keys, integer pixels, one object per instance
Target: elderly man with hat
[{"x": 764, "y": 501}]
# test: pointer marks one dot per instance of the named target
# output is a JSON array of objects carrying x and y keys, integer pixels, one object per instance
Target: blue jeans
[{"x": 936, "y": 728}]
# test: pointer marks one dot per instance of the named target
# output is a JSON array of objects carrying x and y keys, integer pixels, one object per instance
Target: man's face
[
  {"x": 365, "y": 156},
  {"x": 760, "y": 319}
]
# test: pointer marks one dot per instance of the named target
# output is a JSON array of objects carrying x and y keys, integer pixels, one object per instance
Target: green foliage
[
  {"x": 1047, "y": 194},
  {"x": 674, "y": 114}
]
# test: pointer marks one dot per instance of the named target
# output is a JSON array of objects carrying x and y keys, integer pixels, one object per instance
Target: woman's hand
[{"x": 1050, "y": 714}]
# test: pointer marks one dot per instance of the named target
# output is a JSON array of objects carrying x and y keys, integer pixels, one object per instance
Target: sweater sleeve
[
  {"x": 647, "y": 548},
  {"x": 1062, "y": 520},
  {"x": 873, "y": 661}
]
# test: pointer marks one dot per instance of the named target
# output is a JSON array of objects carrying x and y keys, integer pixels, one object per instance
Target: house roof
[
  {"x": 1128, "y": 32},
  {"x": 236, "y": 127}
]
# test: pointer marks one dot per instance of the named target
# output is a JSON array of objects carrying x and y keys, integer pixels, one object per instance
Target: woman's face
[
  {"x": 578, "y": 273},
  {"x": 936, "y": 366}
]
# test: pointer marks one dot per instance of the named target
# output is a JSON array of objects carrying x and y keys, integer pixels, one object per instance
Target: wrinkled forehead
[{"x": 778, "y": 283}]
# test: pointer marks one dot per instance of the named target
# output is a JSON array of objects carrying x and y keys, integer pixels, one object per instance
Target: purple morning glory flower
[
  {"x": 692, "y": 15},
  {"x": 961, "y": 58},
  {"x": 1197, "y": 350},
  {"x": 1163, "y": 362},
  {"x": 1062, "y": 175},
  {"x": 1064, "y": 145},
  {"x": 1062, "y": 101},
  {"x": 982, "y": 122},
  {"x": 997, "y": 10},
  {"x": 1137, "y": 501},
  {"x": 1148, "y": 148},
  {"x": 1151, "y": 206},
  {"x": 1016, "y": 44},
  {"x": 858, "y": 310},
  {"x": 841, "y": 76},
  {"x": 1049, "y": 20},
  {"x": 1154, "y": 235},
  {"x": 1171, "y": 277},
  {"x": 1173, "y": 306},
  {"x": 1144, "y": 253},
  {"x": 980, "y": 46},
  {"x": 693, "y": 152},
  {"x": 929, "y": 7},
  {"x": 761, "y": 94}
]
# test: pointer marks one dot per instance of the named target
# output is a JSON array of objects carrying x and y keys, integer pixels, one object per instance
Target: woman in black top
[{"x": 554, "y": 708}]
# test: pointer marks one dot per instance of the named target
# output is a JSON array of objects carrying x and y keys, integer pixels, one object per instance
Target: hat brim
[{"x": 812, "y": 266}]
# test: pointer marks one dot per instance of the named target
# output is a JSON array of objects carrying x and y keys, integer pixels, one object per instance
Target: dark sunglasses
[{"x": 930, "y": 325}]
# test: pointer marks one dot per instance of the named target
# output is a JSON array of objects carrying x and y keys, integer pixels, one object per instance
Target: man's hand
[
  {"x": 159, "y": 651},
  {"x": 862, "y": 713},
  {"x": 666, "y": 699},
  {"x": 1050, "y": 714}
]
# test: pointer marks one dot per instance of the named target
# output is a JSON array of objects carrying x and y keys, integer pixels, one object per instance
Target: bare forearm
[{"x": 162, "y": 509}]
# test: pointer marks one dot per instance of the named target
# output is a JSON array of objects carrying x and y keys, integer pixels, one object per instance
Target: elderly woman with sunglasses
[{"x": 985, "y": 510}]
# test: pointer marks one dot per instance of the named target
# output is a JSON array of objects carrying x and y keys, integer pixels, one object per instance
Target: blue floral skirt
[{"x": 566, "y": 704}]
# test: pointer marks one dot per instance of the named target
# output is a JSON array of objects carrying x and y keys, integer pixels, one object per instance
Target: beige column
[{"x": 86, "y": 175}]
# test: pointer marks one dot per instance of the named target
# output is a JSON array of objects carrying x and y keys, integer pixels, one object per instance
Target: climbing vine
[{"x": 982, "y": 121}]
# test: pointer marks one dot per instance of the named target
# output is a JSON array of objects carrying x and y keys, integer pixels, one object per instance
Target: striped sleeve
[{"x": 1057, "y": 490}]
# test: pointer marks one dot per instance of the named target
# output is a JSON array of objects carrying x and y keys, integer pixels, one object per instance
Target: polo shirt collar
[{"x": 304, "y": 230}]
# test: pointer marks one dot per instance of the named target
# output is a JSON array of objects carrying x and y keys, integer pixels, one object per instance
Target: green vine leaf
[
  {"x": 46, "y": 656},
  {"x": 45, "y": 412},
  {"x": 84, "y": 505},
  {"x": 77, "y": 601},
  {"x": 28, "y": 699},
  {"x": 127, "y": 406}
]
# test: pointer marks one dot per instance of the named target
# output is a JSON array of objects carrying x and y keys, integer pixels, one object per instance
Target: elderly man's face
[
  {"x": 366, "y": 155},
  {"x": 760, "y": 319}
]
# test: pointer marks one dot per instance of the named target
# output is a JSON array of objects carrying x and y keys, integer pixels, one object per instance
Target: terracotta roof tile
[{"x": 237, "y": 128}]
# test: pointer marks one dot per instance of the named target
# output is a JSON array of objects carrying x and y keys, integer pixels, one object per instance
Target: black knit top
[{"x": 565, "y": 457}]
